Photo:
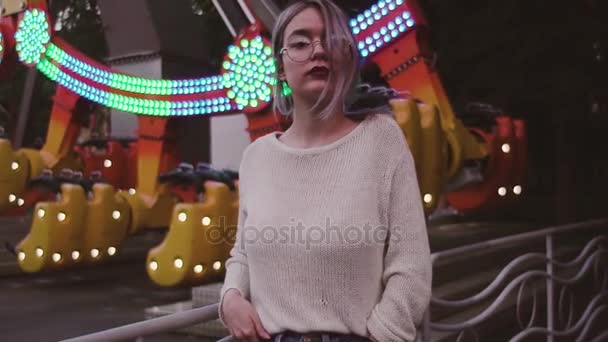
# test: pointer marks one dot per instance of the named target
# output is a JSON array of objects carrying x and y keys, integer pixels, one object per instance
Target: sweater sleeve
[
  {"x": 237, "y": 267},
  {"x": 407, "y": 272}
]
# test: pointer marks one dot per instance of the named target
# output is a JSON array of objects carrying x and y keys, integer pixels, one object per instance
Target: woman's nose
[{"x": 318, "y": 51}]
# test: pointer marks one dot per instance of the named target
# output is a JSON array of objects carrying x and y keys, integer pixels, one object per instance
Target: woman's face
[{"x": 308, "y": 77}]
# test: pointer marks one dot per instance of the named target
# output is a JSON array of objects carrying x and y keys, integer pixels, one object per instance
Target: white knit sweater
[{"x": 333, "y": 238}]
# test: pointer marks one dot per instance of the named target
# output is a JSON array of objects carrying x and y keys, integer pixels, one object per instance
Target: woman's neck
[{"x": 307, "y": 130}]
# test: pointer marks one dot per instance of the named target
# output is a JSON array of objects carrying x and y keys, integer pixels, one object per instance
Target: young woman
[{"x": 331, "y": 241}]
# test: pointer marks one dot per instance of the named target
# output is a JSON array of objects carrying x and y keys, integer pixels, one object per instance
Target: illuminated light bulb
[
  {"x": 506, "y": 148},
  {"x": 428, "y": 198},
  {"x": 198, "y": 269},
  {"x": 111, "y": 251},
  {"x": 56, "y": 257},
  {"x": 20, "y": 202},
  {"x": 12, "y": 198},
  {"x": 116, "y": 214},
  {"x": 39, "y": 252},
  {"x": 217, "y": 265},
  {"x": 14, "y": 166},
  {"x": 206, "y": 221},
  {"x": 517, "y": 189},
  {"x": 153, "y": 265},
  {"x": 132, "y": 191},
  {"x": 75, "y": 255},
  {"x": 178, "y": 263},
  {"x": 502, "y": 191},
  {"x": 182, "y": 217},
  {"x": 61, "y": 216},
  {"x": 107, "y": 163},
  {"x": 94, "y": 253},
  {"x": 21, "y": 256},
  {"x": 41, "y": 213}
]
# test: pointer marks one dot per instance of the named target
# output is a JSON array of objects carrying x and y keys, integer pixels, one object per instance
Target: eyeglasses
[{"x": 302, "y": 49}]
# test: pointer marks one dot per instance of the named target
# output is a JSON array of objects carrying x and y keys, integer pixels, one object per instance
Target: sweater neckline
[{"x": 317, "y": 149}]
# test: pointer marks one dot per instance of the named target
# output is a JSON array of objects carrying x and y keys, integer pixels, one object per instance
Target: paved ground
[{"x": 53, "y": 307}]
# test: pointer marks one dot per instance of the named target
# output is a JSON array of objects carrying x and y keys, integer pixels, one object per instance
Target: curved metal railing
[
  {"x": 523, "y": 270},
  {"x": 588, "y": 261}
]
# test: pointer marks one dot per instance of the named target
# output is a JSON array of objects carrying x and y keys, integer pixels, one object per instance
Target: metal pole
[
  {"x": 550, "y": 287},
  {"x": 426, "y": 325},
  {"x": 24, "y": 107}
]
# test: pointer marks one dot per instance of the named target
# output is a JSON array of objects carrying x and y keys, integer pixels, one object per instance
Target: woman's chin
[{"x": 315, "y": 88}]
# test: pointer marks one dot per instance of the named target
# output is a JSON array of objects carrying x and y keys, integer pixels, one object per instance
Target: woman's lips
[{"x": 319, "y": 72}]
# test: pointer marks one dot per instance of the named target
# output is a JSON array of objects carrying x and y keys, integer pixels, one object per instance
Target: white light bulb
[
  {"x": 56, "y": 257},
  {"x": 94, "y": 252},
  {"x": 182, "y": 217},
  {"x": 517, "y": 189},
  {"x": 217, "y": 265},
  {"x": 153, "y": 265}
]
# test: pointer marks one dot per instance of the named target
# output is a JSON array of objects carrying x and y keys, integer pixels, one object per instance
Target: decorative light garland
[
  {"x": 133, "y": 84},
  {"x": 33, "y": 36},
  {"x": 1, "y": 47},
  {"x": 133, "y": 104},
  {"x": 387, "y": 33},
  {"x": 248, "y": 72}
]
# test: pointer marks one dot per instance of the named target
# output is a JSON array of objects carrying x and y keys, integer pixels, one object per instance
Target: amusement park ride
[{"x": 87, "y": 199}]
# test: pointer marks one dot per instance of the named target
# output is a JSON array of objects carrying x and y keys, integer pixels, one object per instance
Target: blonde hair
[{"x": 339, "y": 93}]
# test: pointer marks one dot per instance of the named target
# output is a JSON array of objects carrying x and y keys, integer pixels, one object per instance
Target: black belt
[{"x": 318, "y": 336}]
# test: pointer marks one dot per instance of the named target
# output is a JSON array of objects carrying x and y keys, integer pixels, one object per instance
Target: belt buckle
[{"x": 311, "y": 338}]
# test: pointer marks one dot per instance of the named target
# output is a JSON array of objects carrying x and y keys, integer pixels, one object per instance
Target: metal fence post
[{"x": 550, "y": 287}]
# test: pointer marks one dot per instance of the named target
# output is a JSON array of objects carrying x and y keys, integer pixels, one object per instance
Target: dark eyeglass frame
[{"x": 312, "y": 50}]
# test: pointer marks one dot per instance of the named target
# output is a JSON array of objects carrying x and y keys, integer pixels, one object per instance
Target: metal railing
[
  {"x": 588, "y": 260},
  {"x": 523, "y": 270}
]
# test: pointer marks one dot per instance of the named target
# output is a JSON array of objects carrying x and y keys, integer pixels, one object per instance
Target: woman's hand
[{"x": 241, "y": 318}]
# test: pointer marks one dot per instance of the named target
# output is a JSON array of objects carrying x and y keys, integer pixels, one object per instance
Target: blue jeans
[{"x": 325, "y": 337}]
